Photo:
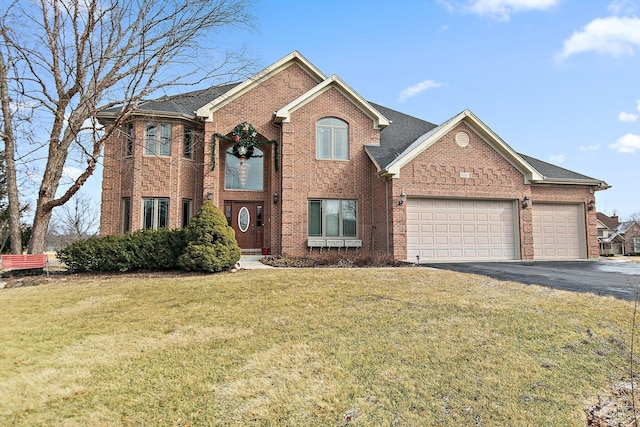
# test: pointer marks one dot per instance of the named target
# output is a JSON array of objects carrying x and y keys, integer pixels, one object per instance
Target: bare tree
[
  {"x": 69, "y": 60},
  {"x": 77, "y": 219}
]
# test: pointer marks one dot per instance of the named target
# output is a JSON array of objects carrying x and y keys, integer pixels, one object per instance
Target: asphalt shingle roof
[
  {"x": 395, "y": 138},
  {"x": 185, "y": 103},
  {"x": 552, "y": 171},
  {"x": 403, "y": 131}
]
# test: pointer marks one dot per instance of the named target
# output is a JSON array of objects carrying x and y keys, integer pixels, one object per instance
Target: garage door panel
[
  {"x": 557, "y": 231},
  {"x": 461, "y": 229}
]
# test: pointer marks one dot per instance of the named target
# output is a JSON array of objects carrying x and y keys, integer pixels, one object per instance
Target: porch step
[{"x": 251, "y": 251}]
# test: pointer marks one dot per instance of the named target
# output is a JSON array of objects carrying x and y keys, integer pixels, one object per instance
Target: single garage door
[
  {"x": 558, "y": 231},
  {"x": 460, "y": 230}
]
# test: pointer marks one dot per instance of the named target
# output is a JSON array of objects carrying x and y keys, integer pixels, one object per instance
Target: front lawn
[{"x": 397, "y": 346}]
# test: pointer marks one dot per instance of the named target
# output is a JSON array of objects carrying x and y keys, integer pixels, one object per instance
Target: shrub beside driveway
[{"x": 408, "y": 346}]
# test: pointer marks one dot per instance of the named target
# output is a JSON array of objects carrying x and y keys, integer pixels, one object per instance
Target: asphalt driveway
[{"x": 616, "y": 277}]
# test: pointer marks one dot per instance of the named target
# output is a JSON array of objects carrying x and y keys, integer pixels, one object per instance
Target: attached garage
[
  {"x": 558, "y": 231},
  {"x": 461, "y": 230}
]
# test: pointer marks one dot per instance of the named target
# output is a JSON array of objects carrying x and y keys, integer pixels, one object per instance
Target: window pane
[
  {"x": 163, "y": 213},
  {"x": 165, "y": 139},
  {"x": 129, "y": 143},
  {"x": 315, "y": 218},
  {"x": 150, "y": 140},
  {"x": 251, "y": 178},
  {"x": 323, "y": 143},
  {"x": 147, "y": 213},
  {"x": 227, "y": 214},
  {"x": 186, "y": 212},
  {"x": 259, "y": 216},
  {"x": 126, "y": 215},
  {"x": 341, "y": 144},
  {"x": 332, "y": 217},
  {"x": 188, "y": 143},
  {"x": 349, "y": 218}
]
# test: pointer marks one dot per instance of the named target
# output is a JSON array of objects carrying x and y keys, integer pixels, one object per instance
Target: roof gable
[
  {"x": 475, "y": 124},
  {"x": 607, "y": 221},
  {"x": 295, "y": 57},
  {"x": 284, "y": 113}
]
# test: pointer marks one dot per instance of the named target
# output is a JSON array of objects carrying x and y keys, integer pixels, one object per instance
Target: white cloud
[
  {"x": 558, "y": 158},
  {"x": 627, "y": 117},
  {"x": 638, "y": 105},
  {"x": 622, "y": 7},
  {"x": 71, "y": 173},
  {"x": 594, "y": 147},
  {"x": 416, "y": 89},
  {"x": 499, "y": 9},
  {"x": 612, "y": 35},
  {"x": 627, "y": 144}
]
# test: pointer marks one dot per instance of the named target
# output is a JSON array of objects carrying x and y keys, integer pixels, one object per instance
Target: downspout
[
  {"x": 279, "y": 189},
  {"x": 386, "y": 187}
]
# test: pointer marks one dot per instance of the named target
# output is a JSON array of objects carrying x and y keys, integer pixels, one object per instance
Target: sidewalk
[{"x": 252, "y": 262}]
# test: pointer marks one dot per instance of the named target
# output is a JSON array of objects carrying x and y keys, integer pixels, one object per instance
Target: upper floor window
[
  {"x": 244, "y": 171},
  {"x": 157, "y": 139},
  {"x": 187, "y": 149},
  {"x": 332, "y": 139},
  {"x": 129, "y": 137}
]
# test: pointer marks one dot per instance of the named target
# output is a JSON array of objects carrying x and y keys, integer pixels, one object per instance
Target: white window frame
[
  {"x": 332, "y": 126},
  {"x": 158, "y": 206},
  {"x": 324, "y": 226}
]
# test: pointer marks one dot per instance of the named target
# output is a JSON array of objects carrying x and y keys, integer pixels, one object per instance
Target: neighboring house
[
  {"x": 298, "y": 162},
  {"x": 630, "y": 230},
  {"x": 611, "y": 243},
  {"x": 618, "y": 238}
]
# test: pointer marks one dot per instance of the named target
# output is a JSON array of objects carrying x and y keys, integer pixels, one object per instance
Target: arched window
[
  {"x": 244, "y": 171},
  {"x": 332, "y": 139}
]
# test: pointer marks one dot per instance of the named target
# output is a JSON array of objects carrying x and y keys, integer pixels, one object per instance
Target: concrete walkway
[{"x": 252, "y": 262}]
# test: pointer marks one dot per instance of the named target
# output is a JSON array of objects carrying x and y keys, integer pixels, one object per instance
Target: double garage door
[
  {"x": 470, "y": 230},
  {"x": 487, "y": 230}
]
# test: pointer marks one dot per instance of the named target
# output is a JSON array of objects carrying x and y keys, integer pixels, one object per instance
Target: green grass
[{"x": 406, "y": 346}]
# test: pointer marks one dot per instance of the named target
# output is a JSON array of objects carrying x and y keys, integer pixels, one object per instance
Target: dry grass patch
[{"x": 406, "y": 346}]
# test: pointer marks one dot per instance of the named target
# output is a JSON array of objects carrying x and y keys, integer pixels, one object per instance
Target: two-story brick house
[{"x": 298, "y": 162}]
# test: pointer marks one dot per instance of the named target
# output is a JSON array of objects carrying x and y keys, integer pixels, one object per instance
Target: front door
[{"x": 246, "y": 219}]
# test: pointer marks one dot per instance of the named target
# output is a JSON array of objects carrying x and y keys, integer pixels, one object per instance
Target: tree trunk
[
  {"x": 41, "y": 221},
  {"x": 15, "y": 232}
]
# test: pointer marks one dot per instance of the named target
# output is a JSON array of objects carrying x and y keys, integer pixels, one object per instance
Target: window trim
[
  {"x": 323, "y": 216},
  {"x": 332, "y": 124}
]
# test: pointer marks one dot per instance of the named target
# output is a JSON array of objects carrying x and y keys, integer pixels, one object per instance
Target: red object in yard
[{"x": 266, "y": 251}]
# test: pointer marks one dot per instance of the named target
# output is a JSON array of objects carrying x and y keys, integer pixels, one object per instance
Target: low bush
[
  {"x": 141, "y": 250},
  {"x": 211, "y": 243},
  {"x": 334, "y": 259}
]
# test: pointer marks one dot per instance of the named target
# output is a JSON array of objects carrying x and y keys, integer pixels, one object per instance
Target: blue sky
[{"x": 558, "y": 80}]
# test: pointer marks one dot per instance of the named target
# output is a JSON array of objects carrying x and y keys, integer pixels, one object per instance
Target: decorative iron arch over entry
[{"x": 244, "y": 137}]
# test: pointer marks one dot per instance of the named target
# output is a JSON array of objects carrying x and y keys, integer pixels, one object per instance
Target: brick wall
[{"x": 140, "y": 176}]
